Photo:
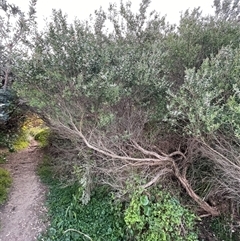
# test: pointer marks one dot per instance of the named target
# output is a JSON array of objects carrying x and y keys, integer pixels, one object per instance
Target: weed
[
  {"x": 42, "y": 137},
  {"x": 148, "y": 217},
  {"x": 5, "y": 183},
  {"x": 45, "y": 171},
  {"x": 3, "y": 158},
  {"x": 225, "y": 229}
]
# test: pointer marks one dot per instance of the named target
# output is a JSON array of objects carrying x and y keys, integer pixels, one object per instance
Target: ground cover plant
[
  {"x": 154, "y": 215},
  {"x": 100, "y": 219},
  {"x": 158, "y": 216},
  {"x": 5, "y": 183}
]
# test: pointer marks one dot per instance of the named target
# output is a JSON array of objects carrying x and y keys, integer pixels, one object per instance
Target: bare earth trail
[{"x": 22, "y": 217}]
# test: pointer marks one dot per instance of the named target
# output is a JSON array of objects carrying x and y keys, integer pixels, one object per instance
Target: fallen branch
[
  {"x": 150, "y": 158},
  {"x": 158, "y": 175},
  {"x": 204, "y": 205}
]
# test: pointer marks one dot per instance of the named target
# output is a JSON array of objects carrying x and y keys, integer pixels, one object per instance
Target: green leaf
[{"x": 144, "y": 200}]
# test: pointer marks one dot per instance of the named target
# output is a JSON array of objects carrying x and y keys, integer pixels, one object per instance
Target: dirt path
[{"x": 22, "y": 217}]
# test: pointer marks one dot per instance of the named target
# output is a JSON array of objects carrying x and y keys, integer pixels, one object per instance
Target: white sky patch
[{"x": 82, "y": 9}]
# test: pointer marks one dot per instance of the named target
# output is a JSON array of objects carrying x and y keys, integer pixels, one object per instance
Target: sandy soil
[{"x": 23, "y": 217}]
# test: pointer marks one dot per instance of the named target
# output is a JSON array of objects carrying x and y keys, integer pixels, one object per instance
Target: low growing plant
[
  {"x": 21, "y": 142},
  {"x": 6, "y": 140},
  {"x": 3, "y": 158},
  {"x": 225, "y": 229},
  {"x": 5, "y": 183},
  {"x": 42, "y": 137},
  {"x": 71, "y": 220},
  {"x": 156, "y": 215},
  {"x": 100, "y": 219}
]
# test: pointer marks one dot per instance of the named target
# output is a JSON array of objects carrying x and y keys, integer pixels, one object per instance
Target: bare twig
[
  {"x": 77, "y": 231},
  {"x": 157, "y": 176}
]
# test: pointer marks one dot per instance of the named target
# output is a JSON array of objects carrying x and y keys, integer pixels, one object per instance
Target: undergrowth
[
  {"x": 3, "y": 158},
  {"x": 145, "y": 217},
  {"x": 18, "y": 139},
  {"x": 21, "y": 141},
  {"x": 5, "y": 183},
  {"x": 42, "y": 136},
  {"x": 152, "y": 215},
  {"x": 156, "y": 215},
  {"x": 225, "y": 228},
  {"x": 101, "y": 219},
  {"x": 6, "y": 140}
]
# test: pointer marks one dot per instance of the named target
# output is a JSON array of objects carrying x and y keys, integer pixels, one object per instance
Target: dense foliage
[
  {"x": 209, "y": 99},
  {"x": 148, "y": 100},
  {"x": 158, "y": 216},
  {"x": 122, "y": 89},
  {"x": 15, "y": 28},
  {"x": 14, "y": 32}
]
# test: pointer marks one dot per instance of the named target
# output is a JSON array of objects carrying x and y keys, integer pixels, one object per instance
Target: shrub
[
  {"x": 6, "y": 140},
  {"x": 106, "y": 88},
  {"x": 207, "y": 110},
  {"x": 8, "y": 101}
]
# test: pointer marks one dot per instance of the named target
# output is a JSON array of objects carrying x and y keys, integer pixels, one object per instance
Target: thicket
[{"x": 146, "y": 100}]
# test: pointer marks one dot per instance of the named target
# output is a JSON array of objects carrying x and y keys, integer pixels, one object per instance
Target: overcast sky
[{"x": 82, "y": 9}]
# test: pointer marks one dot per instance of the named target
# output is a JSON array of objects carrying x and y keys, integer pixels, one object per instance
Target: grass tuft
[
  {"x": 5, "y": 183},
  {"x": 42, "y": 137}
]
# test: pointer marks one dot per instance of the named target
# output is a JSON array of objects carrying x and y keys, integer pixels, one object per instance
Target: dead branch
[
  {"x": 219, "y": 156},
  {"x": 149, "y": 158},
  {"x": 162, "y": 172},
  {"x": 204, "y": 205}
]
